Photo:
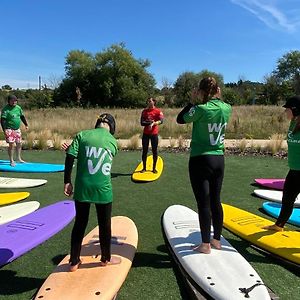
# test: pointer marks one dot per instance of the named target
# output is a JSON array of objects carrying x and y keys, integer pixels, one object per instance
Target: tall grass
[{"x": 249, "y": 122}]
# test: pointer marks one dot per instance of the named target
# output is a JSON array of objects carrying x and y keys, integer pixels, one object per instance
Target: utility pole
[{"x": 40, "y": 82}]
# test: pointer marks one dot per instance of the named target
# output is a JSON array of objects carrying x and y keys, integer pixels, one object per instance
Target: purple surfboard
[
  {"x": 276, "y": 184},
  {"x": 23, "y": 234}
]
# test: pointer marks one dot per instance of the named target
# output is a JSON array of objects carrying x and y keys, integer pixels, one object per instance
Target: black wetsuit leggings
[
  {"x": 81, "y": 221},
  {"x": 206, "y": 176},
  {"x": 154, "y": 144},
  {"x": 291, "y": 190}
]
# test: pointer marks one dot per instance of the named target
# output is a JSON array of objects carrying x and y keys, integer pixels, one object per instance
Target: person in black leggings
[
  {"x": 206, "y": 176},
  {"x": 81, "y": 221},
  {"x": 291, "y": 187},
  {"x": 94, "y": 150},
  {"x": 209, "y": 115},
  {"x": 151, "y": 118}
]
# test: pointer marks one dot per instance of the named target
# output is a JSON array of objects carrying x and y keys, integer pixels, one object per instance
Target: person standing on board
[
  {"x": 11, "y": 117},
  {"x": 209, "y": 115},
  {"x": 291, "y": 187},
  {"x": 94, "y": 150},
  {"x": 151, "y": 118}
]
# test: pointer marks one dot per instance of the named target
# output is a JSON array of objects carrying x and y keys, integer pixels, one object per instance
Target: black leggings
[
  {"x": 291, "y": 190},
  {"x": 81, "y": 220},
  {"x": 206, "y": 176},
  {"x": 145, "y": 143}
]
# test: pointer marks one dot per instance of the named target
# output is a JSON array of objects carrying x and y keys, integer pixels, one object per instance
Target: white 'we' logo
[
  {"x": 217, "y": 128},
  {"x": 96, "y": 153}
]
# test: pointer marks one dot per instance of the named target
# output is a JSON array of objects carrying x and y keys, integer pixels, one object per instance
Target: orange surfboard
[{"x": 91, "y": 281}]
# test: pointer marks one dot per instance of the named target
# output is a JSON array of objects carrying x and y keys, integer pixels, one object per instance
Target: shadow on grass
[
  {"x": 265, "y": 257},
  {"x": 58, "y": 258},
  {"x": 114, "y": 175},
  {"x": 12, "y": 284}
]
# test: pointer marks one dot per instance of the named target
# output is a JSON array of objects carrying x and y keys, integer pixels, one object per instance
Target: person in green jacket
[
  {"x": 11, "y": 117},
  {"x": 291, "y": 187},
  {"x": 209, "y": 115},
  {"x": 94, "y": 150}
]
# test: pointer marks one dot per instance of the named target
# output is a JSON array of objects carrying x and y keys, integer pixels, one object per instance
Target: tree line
[{"x": 115, "y": 78}]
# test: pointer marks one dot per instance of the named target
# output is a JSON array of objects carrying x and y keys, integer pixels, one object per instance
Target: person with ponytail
[
  {"x": 291, "y": 187},
  {"x": 209, "y": 115},
  {"x": 94, "y": 150}
]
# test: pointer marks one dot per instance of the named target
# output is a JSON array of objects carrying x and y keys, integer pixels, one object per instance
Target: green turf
[{"x": 152, "y": 275}]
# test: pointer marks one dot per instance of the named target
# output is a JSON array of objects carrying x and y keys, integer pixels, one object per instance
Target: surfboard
[
  {"x": 276, "y": 184},
  {"x": 222, "y": 273},
  {"x": 30, "y": 167},
  {"x": 22, "y": 235},
  {"x": 148, "y": 175},
  {"x": 20, "y": 183},
  {"x": 273, "y": 209},
  {"x": 285, "y": 244},
  {"x": 15, "y": 211},
  {"x": 95, "y": 282},
  {"x": 275, "y": 196},
  {"x": 7, "y": 198}
]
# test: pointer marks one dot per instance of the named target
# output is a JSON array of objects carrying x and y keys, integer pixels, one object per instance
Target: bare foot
[
  {"x": 143, "y": 171},
  {"x": 216, "y": 244},
  {"x": 21, "y": 161},
  {"x": 273, "y": 227},
  {"x": 74, "y": 268},
  {"x": 12, "y": 164},
  {"x": 113, "y": 261},
  {"x": 203, "y": 248},
  {"x": 154, "y": 171}
]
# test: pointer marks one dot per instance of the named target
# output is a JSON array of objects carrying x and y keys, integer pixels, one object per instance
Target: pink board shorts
[{"x": 13, "y": 135}]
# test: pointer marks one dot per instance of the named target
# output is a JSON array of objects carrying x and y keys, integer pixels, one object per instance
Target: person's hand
[
  {"x": 65, "y": 146},
  {"x": 68, "y": 189}
]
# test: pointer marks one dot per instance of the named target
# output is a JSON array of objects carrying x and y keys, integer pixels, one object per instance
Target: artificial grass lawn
[{"x": 152, "y": 275}]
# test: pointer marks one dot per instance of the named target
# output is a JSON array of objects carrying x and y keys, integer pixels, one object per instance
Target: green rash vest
[
  {"x": 293, "y": 141},
  {"x": 12, "y": 116},
  {"x": 94, "y": 150},
  {"x": 209, "y": 123}
]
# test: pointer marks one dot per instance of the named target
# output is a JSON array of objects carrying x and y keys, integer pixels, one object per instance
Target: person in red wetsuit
[{"x": 151, "y": 117}]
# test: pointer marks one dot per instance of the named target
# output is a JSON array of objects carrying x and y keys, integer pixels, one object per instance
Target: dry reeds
[
  {"x": 254, "y": 122},
  {"x": 275, "y": 143},
  {"x": 134, "y": 142}
]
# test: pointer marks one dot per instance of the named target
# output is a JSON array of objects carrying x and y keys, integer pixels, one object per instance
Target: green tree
[
  {"x": 6, "y": 87},
  {"x": 288, "y": 68},
  {"x": 187, "y": 81},
  {"x": 112, "y": 77}
]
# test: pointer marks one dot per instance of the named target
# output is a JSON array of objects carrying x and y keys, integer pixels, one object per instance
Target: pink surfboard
[{"x": 276, "y": 184}]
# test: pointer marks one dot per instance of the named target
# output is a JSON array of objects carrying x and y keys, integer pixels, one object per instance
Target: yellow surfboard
[
  {"x": 248, "y": 226},
  {"x": 148, "y": 175},
  {"x": 8, "y": 198},
  {"x": 91, "y": 281}
]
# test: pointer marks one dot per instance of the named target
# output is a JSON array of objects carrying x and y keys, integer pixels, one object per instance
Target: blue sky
[{"x": 241, "y": 39}]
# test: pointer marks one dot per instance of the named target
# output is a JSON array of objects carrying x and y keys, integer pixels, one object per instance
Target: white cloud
[{"x": 275, "y": 14}]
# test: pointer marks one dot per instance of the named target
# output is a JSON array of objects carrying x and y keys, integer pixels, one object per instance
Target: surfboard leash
[{"x": 246, "y": 291}]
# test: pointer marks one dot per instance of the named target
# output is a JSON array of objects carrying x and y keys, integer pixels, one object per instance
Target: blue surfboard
[
  {"x": 29, "y": 167},
  {"x": 273, "y": 209}
]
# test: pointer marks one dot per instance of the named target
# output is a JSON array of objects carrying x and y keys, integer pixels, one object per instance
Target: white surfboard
[
  {"x": 15, "y": 211},
  {"x": 20, "y": 183},
  {"x": 222, "y": 273},
  {"x": 275, "y": 196}
]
